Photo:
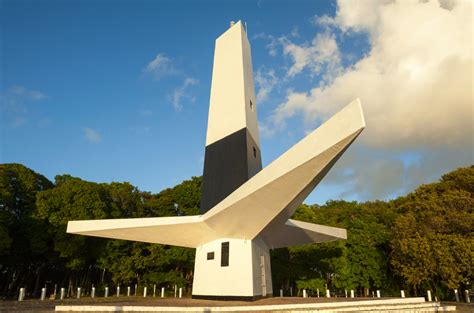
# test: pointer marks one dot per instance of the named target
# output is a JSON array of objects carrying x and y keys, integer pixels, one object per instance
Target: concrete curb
[{"x": 391, "y": 305}]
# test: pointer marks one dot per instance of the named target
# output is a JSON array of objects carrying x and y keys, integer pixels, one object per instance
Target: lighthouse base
[{"x": 232, "y": 269}]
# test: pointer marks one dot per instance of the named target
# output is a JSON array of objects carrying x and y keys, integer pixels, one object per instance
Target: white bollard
[
  {"x": 378, "y": 293},
  {"x": 352, "y": 293},
  {"x": 466, "y": 295},
  {"x": 128, "y": 291},
  {"x": 304, "y": 293},
  {"x": 118, "y": 291},
  {"x": 180, "y": 292},
  {"x": 43, "y": 293},
  {"x": 428, "y": 295},
  {"x": 456, "y": 295},
  {"x": 317, "y": 292},
  {"x": 144, "y": 292},
  {"x": 345, "y": 292},
  {"x": 154, "y": 290},
  {"x": 78, "y": 296},
  {"x": 328, "y": 293},
  {"x": 93, "y": 292},
  {"x": 281, "y": 293},
  {"x": 291, "y": 291},
  {"x": 136, "y": 287},
  {"x": 106, "y": 292},
  {"x": 162, "y": 292},
  {"x": 175, "y": 290},
  {"x": 21, "y": 296},
  {"x": 402, "y": 293}
]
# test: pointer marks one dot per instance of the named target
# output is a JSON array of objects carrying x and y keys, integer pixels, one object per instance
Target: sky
[{"x": 119, "y": 90}]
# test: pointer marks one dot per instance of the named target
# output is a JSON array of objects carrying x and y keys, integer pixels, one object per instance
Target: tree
[
  {"x": 422, "y": 240},
  {"x": 74, "y": 199},
  {"x": 24, "y": 247},
  {"x": 361, "y": 261},
  {"x": 433, "y": 238},
  {"x": 151, "y": 263}
]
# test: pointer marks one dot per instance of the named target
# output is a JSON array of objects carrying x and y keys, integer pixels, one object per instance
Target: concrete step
[{"x": 405, "y": 305}]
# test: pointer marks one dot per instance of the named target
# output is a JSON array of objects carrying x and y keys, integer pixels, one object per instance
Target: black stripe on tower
[{"x": 228, "y": 163}]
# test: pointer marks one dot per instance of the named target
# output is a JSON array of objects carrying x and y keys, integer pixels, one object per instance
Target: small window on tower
[
  {"x": 254, "y": 152},
  {"x": 210, "y": 255},
  {"x": 251, "y": 105}
]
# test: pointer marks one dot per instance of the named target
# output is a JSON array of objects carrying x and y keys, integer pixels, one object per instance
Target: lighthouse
[{"x": 245, "y": 209}]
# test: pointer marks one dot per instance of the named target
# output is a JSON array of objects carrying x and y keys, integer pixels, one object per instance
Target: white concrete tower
[
  {"x": 232, "y": 268},
  {"x": 232, "y": 143}
]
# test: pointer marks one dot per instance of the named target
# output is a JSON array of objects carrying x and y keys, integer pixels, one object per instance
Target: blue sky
[{"x": 119, "y": 90}]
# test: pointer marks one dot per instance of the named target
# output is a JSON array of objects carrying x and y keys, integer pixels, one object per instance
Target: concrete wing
[
  {"x": 184, "y": 231},
  {"x": 295, "y": 233},
  {"x": 277, "y": 190}
]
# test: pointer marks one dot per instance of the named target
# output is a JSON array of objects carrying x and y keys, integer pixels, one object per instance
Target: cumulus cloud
[
  {"x": 160, "y": 67},
  {"x": 91, "y": 135},
  {"x": 415, "y": 84},
  {"x": 367, "y": 173},
  {"x": 321, "y": 53},
  {"x": 183, "y": 92}
]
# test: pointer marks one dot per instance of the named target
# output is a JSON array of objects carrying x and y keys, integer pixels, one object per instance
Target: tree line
[{"x": 424, "y": 240}]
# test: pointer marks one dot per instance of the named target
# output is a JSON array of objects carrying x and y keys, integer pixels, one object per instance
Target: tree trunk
[{"x": 37, "y": 283}]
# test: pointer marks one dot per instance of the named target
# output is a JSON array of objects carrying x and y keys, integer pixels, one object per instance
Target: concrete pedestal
[{"x": 242, "y": 271}]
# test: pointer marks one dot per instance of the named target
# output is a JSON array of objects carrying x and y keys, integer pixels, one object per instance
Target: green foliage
[
  {"x": 183, "y": 199},
  {"x": 74, "y": 199},
  {"x": 22, "y": 240},
  {"x": 313, "y": 284},
  {"x": 359, "y": 262},
  {"x": 433, "y": 239},
  {"x": 422, "y": 240}
]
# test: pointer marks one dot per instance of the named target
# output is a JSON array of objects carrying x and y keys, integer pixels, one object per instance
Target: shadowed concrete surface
[{"x": 30, "y": 306}]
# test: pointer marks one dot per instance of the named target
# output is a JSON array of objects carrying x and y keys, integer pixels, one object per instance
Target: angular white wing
[
  {"x": 261, "y": 206},
  {"x": 295, "y": 233},
  {"x": 184, "y": 231},
  {"x": 277, "y": 190}
]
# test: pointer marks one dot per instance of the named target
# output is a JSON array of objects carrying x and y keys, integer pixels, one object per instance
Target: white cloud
[
  {"x": 183, "y": 92},
  {"x": 91, "y": 135},
  {"x": 320, "y": 54},
  {"x": 160, "y": 67},
  {"x": 273, "y": 43},
  {"x": 367, "y": 173},
  {"x": 265, "y": 81},
  {"x": 145, "y": 112},
  {"x": 16, "y": 98},
  {"x": 415, "y": 84},
  {"x": 15, "y": 104},
  {"x": 27, "y": 94}
]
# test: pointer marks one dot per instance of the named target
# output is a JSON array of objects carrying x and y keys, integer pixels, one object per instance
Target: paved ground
[{"x": 47, "y": 306}]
